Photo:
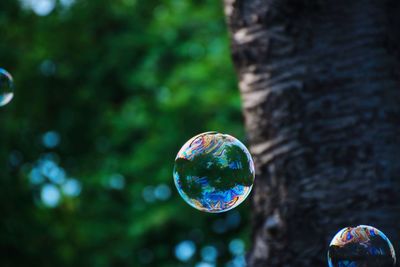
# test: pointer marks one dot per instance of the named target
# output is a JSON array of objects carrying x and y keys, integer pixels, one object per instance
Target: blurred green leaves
[{"x": 123, "y": 83}]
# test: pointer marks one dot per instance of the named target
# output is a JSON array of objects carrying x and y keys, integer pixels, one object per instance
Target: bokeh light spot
[
  {"x": 51, "y": 139},
  {"x": 209, "y": 253},
  {"x": 214, "y": 172},
  {"x": 185, "y": 250},
  {"x": 162, "y": 192},
  {"x": 40, "y": 7},
  {"x": 72, "y": 187},
  {"x": 6, "y": 87}
]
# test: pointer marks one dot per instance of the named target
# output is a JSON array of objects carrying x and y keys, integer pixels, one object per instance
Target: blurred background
[{"x": 106, "y": 92}]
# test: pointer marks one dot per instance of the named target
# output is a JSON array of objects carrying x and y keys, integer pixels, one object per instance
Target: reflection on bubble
[
  {"x": 6, "y": 87},
  {"x": 214, "y": 172},
  {"x": 50, "y": 195},
  {"x": 361, "y": 246},
  {"x": 185, "y": 250}
]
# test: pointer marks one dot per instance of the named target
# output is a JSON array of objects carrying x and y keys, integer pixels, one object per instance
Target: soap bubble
[
  {"x": 6, "y": 87},
  {"x": 361, "y": 246},
  {"x": 214, "y": 172}
]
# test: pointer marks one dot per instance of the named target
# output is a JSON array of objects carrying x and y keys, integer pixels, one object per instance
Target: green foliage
[{"x": 124, "y": 83}]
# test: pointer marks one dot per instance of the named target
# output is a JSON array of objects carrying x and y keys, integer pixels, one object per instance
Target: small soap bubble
[
  {"x": 6, "y": 87},
  {"x": 361, "y": 246},
  {"x": 214, "y": 172},
  {"x": 40, "y": 7}
]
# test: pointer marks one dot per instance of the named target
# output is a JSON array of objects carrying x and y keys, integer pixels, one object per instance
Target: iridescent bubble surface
[
  {"x": 361, "y": 246},
  {"x": 6, "y": 87},
  {"x": 214, "y": 172}
]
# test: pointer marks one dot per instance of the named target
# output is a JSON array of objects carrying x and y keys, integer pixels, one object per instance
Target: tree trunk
[{"x": 320, "y": 85}]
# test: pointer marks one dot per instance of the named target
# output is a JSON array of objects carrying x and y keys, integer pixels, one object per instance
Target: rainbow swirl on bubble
[{"x": 214, "y": 172}]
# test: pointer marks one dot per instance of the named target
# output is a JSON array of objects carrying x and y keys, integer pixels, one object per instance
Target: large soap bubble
[
  {"x": 361, "y": 246},
  {"x": 6, "y": 87},
  {"x": 214, "y": 172}
]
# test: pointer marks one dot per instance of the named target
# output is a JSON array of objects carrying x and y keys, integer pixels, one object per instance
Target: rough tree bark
[{"x": 320, "y": 84}]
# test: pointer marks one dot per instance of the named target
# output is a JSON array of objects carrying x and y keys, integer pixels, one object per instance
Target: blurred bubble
[
  {"x": 162, "y": 192},
  {"x": 40, "y": 7},
  {"x": 6, "y": 87},
  {"x": 361, "y": 246},
  {"x": 214, "y": 172},
  {"x": 148, "y": 194},
  {"x": 51, "y": 139},
  {"x": 185, "y": 250},
  {"x": 48, "y": 67},
  {"x": 117, "y": 181},
  {"x": 236, "y": 247},
  {"x": 72, "y": 187},
  {"x": 50, "y": 195},
  {"x": 209, "y": 253}
]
